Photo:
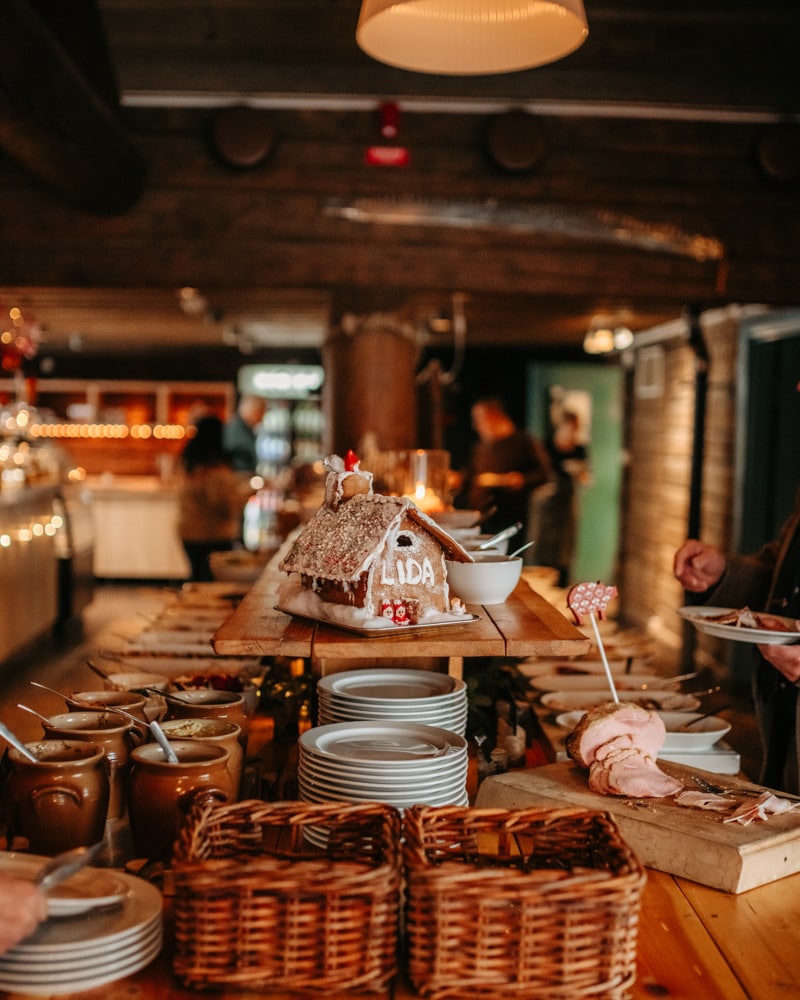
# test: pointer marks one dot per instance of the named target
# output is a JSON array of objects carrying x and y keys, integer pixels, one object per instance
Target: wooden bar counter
[{"x": 695, "y": 943}]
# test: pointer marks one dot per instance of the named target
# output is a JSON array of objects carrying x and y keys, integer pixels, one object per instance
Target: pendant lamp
[{"x": 470, "y": 37}]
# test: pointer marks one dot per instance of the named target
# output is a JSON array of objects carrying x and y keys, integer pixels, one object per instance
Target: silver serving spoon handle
[
  {"x": 17, "y": 743},
  {"x": 158, "y": 733},
  {"x": 65, "y": 864},
  {"x": 501, "y": 536}
]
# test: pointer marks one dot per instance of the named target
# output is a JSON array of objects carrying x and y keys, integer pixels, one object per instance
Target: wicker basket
[
  {"x": 520, "y": 903},
  {"x": 258, "y": 907}
]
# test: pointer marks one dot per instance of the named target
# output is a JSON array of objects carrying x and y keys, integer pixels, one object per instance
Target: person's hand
[
  {"x": 698, "y": 566},
  {"x": 22, "y": 908},
  {"x": 786, "y": 659},
  {"x": 501, "y": 480}
]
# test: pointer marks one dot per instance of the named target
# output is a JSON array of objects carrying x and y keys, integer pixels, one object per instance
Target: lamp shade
[{"x": 470, "y": 37}]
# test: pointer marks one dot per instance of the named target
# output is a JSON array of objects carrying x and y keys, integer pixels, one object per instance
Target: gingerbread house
[{"x": 364, "y": 558}]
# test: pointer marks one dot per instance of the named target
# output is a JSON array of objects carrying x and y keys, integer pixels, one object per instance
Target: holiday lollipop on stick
[{"x": 590, "y": 600}]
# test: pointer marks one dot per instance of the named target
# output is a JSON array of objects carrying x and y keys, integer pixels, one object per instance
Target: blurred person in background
[
  {"x": 505, "y": 466},
  {"x": 241, "y": 432},
  {"x": 211, "y": 498}
]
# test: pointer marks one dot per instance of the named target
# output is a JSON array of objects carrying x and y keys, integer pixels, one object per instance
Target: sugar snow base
[{"x": 295, "y": 599}]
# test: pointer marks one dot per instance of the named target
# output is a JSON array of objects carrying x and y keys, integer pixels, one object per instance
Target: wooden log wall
[
  {"x": 662, "y": 392},
  {"x": 204, "y": 223}
]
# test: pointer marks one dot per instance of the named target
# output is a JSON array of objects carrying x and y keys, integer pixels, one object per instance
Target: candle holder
[{"x": 423, "y": 475}]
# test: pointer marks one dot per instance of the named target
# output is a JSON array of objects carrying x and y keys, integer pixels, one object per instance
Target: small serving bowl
[
  {"x": 456, "y": 520},
  {"x": 701, "y": 736},
  {"x": 472, "y": 545},
  {"x": 489, "y": 579}
]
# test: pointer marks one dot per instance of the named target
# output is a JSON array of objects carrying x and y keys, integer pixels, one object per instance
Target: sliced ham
[
  {"x": 604, "y": 722},
  {"x": 618, "y": 743}
]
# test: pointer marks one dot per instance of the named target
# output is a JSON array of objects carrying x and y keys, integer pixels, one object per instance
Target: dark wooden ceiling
[{"x": 658, "y": 167}]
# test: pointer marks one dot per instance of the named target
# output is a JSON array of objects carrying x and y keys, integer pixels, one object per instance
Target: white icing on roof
[{"x": 341, "y": 544}]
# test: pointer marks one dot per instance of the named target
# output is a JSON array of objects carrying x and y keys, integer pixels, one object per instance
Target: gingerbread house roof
[{"x": 341, "y": 544}]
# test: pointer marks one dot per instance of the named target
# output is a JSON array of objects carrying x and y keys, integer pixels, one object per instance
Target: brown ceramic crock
[
  {"x": 218, "y": 731},
  {"x": 114, "y": 733},
  {"x": 61, "y": 800},
  {"x": 208, "y": 703},
  {"x": 161, "y": 794},
  {"x": 102, "y": 701}
]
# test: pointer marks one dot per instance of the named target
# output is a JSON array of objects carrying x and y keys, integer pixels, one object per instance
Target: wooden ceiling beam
[{"x": 56, "y": 121}]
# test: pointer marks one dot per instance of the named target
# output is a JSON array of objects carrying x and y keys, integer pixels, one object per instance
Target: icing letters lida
[{"x": 408, "y": 571}]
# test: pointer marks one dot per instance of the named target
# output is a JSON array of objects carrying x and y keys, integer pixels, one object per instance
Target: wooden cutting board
[{"x": 693, "y": 843}]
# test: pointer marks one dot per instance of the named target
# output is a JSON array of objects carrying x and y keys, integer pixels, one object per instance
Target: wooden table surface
[
  {"x": 525, "y": 625},
  {"x": 694, "y": 943}
]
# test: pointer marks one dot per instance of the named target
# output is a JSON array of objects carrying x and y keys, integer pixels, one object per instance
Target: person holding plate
[{"x": 768, "y": 579}]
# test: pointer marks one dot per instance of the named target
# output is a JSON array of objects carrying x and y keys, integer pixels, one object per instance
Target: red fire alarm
[{"x": 389, "y": 125}]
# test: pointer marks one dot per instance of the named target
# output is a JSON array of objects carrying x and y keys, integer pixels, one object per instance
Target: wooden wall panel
[{"x": 657, "y": 490}]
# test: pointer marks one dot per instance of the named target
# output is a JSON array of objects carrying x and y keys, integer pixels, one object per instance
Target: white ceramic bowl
[
  {"x": 471, "y": 545},
  {"x": 701, "y": 736},
  {"x": 487, "y": 580},
  {"x": 451, "y": 519}
]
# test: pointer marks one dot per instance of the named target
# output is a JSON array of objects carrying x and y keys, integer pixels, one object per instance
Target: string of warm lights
[
  {"x": 159, "y": 432},
  {"x": 46, "y": 527}
]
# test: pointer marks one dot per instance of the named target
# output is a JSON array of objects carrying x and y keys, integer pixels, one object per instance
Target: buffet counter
[
  {"x": 136, "y": 529},
  {"x": 28, "y": 566}
]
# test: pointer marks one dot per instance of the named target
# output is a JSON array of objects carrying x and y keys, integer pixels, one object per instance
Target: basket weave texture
[
  {"x": 256, "y": 907},
  {"x": 519, "y": 903}
]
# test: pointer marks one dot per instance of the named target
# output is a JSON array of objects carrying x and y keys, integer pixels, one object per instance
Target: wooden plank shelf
[{"x": 526, "y": 625}]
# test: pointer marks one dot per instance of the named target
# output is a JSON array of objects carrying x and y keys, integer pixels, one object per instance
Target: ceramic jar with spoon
[
  {"x": 116, "y": 735},
  {"x": 216, "y": 731},
  {"x": 160, "y": 793},
  {"x": 209, "y": 703},
  {"x": 60, "y": 799}
]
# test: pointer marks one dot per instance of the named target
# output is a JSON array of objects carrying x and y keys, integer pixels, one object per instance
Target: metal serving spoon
[
  {"x": 501, "y": 536},
  {"x": 17, "y": 743},
  {"x": 59, "y": 868},
  {"x": 158, "y": 733}
]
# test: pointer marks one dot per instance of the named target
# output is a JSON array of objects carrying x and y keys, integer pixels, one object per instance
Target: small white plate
[
  {"x": 81, "y": 892},
  {"x": 388, "y": 744},
  {"x": 699, "y": 617},
  {"x": 589, "y": 682},
  {"x": 668, "y": 701},
  {"x": 701, "y": 737}
]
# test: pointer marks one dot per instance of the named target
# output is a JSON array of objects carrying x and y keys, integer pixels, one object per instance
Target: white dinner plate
[
  {"x": 535, "y": 667},
  {"x": 99, "y": 932},
  {"x": 699, "y": 617},
  {"x": 390, "y": 743},
  {"x": 589, "y": 682},
  {"x": 397, "y": 685},
  {"x": 36, "y": 970},
  {"x": 569, "y": 701},
  {"x": 361, "y": 783},
  {"x": 93, "y": 978},
  {"x": 433, "y": 767},
  {"x": 82, "y": 891}
]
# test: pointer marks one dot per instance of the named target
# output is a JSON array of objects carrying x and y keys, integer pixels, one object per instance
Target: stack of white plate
[
  {"x": 398, "y": 763},
  {"x": 84, "y": 944},
  {"x": 388, "y": 695}
]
